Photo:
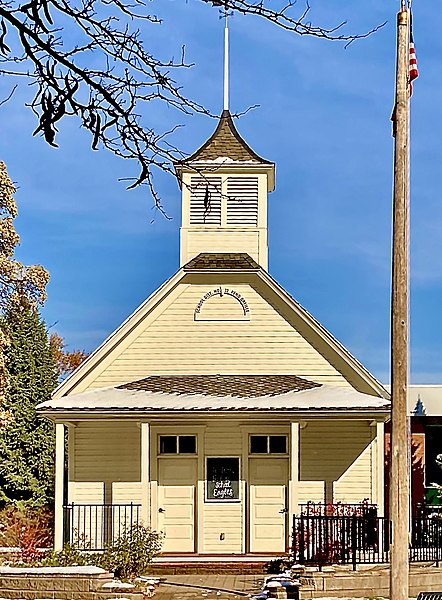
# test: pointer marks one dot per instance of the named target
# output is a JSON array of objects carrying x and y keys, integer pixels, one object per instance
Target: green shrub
[
  {"x": 128, "y": 556},
  {"x": 68, "y": 557},
  {"x": 131, "y": 553}
]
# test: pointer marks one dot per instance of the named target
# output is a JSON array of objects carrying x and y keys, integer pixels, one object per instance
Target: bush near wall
[{"x": 28, "y": 530}]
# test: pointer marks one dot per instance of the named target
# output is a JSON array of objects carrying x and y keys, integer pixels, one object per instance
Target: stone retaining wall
[
  {"x": 59, "y": 583},
  {"x": 367, "y": 582}
]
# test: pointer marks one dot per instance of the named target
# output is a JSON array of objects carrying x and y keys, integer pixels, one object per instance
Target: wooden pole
[{"x": 399, "y": 466}]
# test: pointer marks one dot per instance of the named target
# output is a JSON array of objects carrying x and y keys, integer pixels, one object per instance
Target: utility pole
[{"x": 399, "y": 461}]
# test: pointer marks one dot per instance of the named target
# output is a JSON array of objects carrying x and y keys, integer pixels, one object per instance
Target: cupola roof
[{"x": 226, "y": 145}]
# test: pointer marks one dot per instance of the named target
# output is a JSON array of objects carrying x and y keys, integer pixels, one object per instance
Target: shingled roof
[
  {"x": 226, "y": 143},
  {"x": 239, "y": 386},
  {"x": 231, "y": 261}
]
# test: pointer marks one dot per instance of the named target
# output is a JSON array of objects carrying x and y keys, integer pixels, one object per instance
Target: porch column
[
  {"x": 145, "y": 472},
  {"x": 59, "y": 486},
  {"x": 380, "y": 448},
  {"x": 294, "y": 473}
]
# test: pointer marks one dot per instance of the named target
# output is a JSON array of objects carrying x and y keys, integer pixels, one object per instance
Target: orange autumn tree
[{"x": 65, "y": 361}]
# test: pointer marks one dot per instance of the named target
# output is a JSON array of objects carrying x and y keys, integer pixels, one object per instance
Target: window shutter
[
  {"x": 205, "y": 201},
  {"x": 242, "y": 201}
]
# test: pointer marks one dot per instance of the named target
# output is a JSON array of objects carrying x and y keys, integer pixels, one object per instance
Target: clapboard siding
[
  {"x": 174, "y": 343},
  {"x": 231, "y": 440},
  {"x": 339, "y": 456},
  {"x": 125, "y": 492},
  {"x": 221, "y": 517},
  {"x": 86, "y": 492},
  {"x": 226, "y": 240},
  {"x": 108, "y": 453}
]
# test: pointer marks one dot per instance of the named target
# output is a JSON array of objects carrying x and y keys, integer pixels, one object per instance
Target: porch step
[
  {"x": 228, "y": 565},
  {"x": 226, "y": 568}
]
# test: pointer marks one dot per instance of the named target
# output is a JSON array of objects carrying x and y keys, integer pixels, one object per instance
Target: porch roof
[{"x": 209, "y": 393}]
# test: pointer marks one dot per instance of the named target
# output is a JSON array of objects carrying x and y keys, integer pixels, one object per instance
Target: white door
[
  {"x": 268, "y": 504},
  {"x": 176, "y": 503}
]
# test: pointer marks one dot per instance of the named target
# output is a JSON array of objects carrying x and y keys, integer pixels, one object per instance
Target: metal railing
[
  {"x": 337, "y": 509},
  {"x": 92, "y": 526},
  {"x": 321, "y": 539},
  {"x": 429, "y": 510}
]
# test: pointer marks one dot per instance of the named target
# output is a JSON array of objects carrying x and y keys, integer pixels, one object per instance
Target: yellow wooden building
[{"x": 220, "y": 406}]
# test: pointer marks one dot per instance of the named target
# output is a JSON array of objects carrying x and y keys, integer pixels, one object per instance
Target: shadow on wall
[{"x": 338, "y": 457}]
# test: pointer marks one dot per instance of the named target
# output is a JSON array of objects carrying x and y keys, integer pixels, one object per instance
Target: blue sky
[{"x": 323, "y": 117}]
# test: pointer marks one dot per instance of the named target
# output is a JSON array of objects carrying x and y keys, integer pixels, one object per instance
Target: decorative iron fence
[
  {"x": 321, "y": 539},
  {"x": 92, "y": 526},
  {"x": 338, "y": 509},
  {"x": 429, "y": 510}
]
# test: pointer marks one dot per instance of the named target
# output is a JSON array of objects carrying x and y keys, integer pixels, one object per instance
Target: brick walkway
[{"x": 208, "y": 587}]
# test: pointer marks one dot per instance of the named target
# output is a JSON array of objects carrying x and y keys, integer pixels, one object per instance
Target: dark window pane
[
  {"x": 258, "y": 444},
  {"x": 223, "y": 478},
  {"x": 278, "y": 444},
  {"x": 187, "y": 444},
  {"x": 168, "y": 444}
]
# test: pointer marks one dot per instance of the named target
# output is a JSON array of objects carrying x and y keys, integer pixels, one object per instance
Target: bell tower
[
  {"x": 224, "y": 190},
  {"x": 224, "y": 196}
]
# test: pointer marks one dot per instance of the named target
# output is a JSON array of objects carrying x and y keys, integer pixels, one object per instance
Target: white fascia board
[
  {"x": 112, "y": 341},
  {"x": 58, "y": 416}
]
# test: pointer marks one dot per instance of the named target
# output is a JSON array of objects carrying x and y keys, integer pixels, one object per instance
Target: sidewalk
[{"x": 208, "y": 587}]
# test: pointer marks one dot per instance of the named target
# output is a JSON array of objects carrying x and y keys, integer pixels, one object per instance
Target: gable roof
[
  {"x": 225, "y": 142},
  {"x": 334, "y": 352}
]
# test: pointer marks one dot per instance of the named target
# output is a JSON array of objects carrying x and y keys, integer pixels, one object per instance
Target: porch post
[
  {"x": 145, "y": 472},
  {"x": 380, "y": 447},
  {"x": 294, "y": 473},
  {"x": 59, "y": 486}
]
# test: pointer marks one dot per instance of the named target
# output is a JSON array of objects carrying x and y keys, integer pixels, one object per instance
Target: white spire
[{"x": 226, "y": 61}]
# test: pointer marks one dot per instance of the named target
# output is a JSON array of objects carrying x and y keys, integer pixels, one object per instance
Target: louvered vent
[
  {"x": 242, "y": 201},
  {"x": 205, "y": 201}
]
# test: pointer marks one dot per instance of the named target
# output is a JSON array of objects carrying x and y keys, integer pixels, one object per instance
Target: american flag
[{"x": 413, "y": 72}]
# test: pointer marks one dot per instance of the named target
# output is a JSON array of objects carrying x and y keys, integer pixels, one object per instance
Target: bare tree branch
[
  {"x": 10, "y": 95},
  {"x": 86, "y": 58}
]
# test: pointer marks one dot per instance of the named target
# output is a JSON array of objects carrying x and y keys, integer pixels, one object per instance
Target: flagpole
[{"x": 399, "y": 456}]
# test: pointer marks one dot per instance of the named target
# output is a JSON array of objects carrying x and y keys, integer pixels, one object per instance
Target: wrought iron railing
[
  {"x": 322, "y": 539},
  {"x": 92, "y": 526},
  {"x": 429, "y": 510},
  {"x": 337, "y": 509}
]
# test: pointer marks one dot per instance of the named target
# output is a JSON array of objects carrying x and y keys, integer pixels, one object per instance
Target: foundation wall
[{"x": 368, "y": 582}]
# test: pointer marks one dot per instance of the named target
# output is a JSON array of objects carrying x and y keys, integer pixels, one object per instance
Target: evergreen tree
[{"x": 27, "y": 443}]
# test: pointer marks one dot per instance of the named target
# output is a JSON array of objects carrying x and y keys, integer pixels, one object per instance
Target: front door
[
  {"x": 268, "y": 504},
  {"x": 176, "y": 503}
]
